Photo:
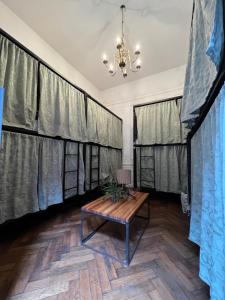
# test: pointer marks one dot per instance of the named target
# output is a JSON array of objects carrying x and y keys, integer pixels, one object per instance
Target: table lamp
[{"x": 123, "y": 176}]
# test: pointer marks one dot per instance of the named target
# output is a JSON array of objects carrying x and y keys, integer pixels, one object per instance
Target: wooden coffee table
[{"x": 122, "y": 212}]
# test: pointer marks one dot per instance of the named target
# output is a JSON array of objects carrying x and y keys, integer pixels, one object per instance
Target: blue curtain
[
  {"x": 208, "y": 197},
  {"x": 207, "y": 228},
  {"x": 205, "y": 51}
]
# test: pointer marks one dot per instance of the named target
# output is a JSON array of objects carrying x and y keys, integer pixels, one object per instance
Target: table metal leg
[
  {"x": 81, "y": 227},
  {"x": 148, "y": 210},
  {"x": 127, "y": 248}
]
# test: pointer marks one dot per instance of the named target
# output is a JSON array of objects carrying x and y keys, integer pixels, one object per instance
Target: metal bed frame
[
  {"x": 35, "y": 133},
  {"x": 140, "y": 146}
]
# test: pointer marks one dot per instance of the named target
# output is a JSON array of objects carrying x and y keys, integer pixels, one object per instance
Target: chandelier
[{"x": 122, "y": 58}]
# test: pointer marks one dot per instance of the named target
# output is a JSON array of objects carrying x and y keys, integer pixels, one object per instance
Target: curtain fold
[
  {"x": 62, "y": 108},
  {"x": 50, "y": 179},
  {"x": 103, "y": 127},
  {"x": 115, "y": 134},
  {"x": 183, "y": 168},
  {"x": 205, "y": 50},
  {"x": 184, "y": 130},
  {"x": 115, "y": 161},
  {"x": 167, "y": 177},
  {"x": 104, "y": 165},
  {"x": 97, "y": 123},
  {"x": 208, "y": 197},
  {"x": 19, "y": 76},
  {"x": 18, "y": 175},
  {"x": 158, "y": 123}
]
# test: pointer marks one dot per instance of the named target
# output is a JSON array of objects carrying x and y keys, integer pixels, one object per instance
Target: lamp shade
[{"x": 123, "y": 176}]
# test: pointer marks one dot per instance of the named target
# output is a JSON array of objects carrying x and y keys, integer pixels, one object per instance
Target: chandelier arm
[
  {"x": 113, "y": 74},
  {"x": 122, "y": 8},
  {"x": 134, "y": 61},
  {"x": 134, "y": 70}
]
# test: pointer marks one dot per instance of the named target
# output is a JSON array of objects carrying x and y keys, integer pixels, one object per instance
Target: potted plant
[{"x": 114, "y": 191}]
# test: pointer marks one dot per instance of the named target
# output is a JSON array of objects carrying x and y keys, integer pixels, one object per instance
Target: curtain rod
[
  {"x": 159, "y": 145},
  {"x": 107, "y": 109},
  {"x": 21, "y": 46},
  {"x": 159, "y": 101},
  {"x": 35, "y": 133}
]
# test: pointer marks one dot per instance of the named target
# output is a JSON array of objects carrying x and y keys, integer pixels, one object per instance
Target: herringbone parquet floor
[{"x": 46, "y": 261}]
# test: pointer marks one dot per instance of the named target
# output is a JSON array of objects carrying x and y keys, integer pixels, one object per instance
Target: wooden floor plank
[
  {"x": 46, "y": 261},
  {"x": 96, "y": 291},
  {"x": 85, "y": 288},
  {"x": 102, "y": 273}
]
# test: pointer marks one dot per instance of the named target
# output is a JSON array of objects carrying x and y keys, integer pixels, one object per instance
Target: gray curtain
[
  {"x": 18, "y": 175},
  {"x": 62, "y": 108},
  {"x": 158, "y": 123},
  {"x": 71, "y": 169},
  {"x": 18, "y": 75},
  {"x": 183, "y": 168},
  {"x": 97, "y": 123},
  {"x": 103, "y": 127},
  {"x": 104, "y": 165},
  {"x": 115, "y": 133},
  {"x": 184, "y": 130},
  {"x": 110, "y": 162},
  {"x": 170, "y": 169},
  {"x": 50, "y": 179},
  {"x": 115, "y": 161},
  {"x": 163, "y": 168},
  {"x": 206, "y": 42}
]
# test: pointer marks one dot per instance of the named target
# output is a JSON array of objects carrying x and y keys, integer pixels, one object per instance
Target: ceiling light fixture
[{"x": 122, "y": 59}]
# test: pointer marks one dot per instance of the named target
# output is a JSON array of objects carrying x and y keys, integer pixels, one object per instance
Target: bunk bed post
[
  {"x": 64, "y": 169},
  {"x": 98, "y": 165},
  {"x": 189, "y": 166},
  {"x": 78, "y": 167},
  {"x": 38, "y": 91},
  {"x": 90, "y": 167}
]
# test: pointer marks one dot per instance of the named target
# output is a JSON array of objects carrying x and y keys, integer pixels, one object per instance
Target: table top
[{"x": 122, "y": 211}]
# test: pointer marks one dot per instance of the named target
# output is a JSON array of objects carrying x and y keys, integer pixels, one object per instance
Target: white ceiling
[{"x": 81, "y": 30}]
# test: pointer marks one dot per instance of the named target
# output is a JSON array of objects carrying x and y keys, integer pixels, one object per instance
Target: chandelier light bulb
[
  {"x": 118, "y": 43},
  {"x": 111, "y": 68},
  {"x": 137, "y": 50},
  {"x": 138, "y": 65},
  {"x": 125, "y": 73},
  {"x": 104, "y": 59}
]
